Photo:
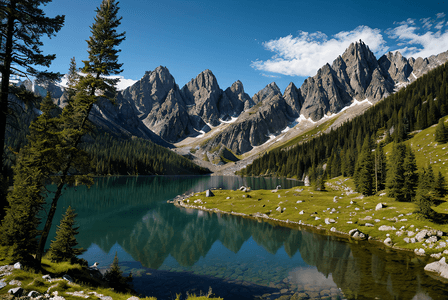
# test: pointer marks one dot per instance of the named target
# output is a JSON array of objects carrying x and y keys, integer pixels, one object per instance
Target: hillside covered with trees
[{"x": 355, "y": 149}]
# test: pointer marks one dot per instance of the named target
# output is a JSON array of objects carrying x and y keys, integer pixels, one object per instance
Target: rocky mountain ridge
[{"x": 156, "y": 108}]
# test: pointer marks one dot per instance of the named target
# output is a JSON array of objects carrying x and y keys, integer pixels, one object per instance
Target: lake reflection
[{"x": 173, "y": 250}]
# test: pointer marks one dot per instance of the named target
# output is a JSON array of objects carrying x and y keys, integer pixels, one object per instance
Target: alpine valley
[{"x": 214, "y": 126}]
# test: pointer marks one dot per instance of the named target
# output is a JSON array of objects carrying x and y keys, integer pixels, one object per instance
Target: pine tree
[
  {"x": 93, "y": 86},
  {"x": 380, "y": 168},
  {"x": 441, "y": 135},
  {"x": 395, "y": 172},
  {"x": 410, "y": 175},
  {"x": 440, "y": 186},
  {"x": 114, "y": 277},
  {"x": 23, "y": 25},
  {"x": 364, "y": 172},
  {"x": 35, "y": 163},
  {"x": 62, "y": 248}
]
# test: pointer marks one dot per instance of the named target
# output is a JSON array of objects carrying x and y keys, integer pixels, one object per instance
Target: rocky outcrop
[
  {"x": 234, "y": 100},
  {"x": 267, "y": 92},
  {"x": 439, "y": 267},
  {"x": 202, "y": 94},
  {"x": 293, "y": 99},
  {"x": 159, "y": 105},
  {"x": 354, "y": 75},
  {"x": 268, "y": 117}
]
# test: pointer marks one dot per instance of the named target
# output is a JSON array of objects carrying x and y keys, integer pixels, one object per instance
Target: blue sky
[{"x": 256, "y": 42}]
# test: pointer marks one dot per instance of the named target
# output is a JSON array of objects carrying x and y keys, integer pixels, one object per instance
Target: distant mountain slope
[
  {"x": 156, "y": 108},
  {"x": 410, "y": 110}
]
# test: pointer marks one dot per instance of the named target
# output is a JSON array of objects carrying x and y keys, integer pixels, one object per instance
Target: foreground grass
[
  {"x": 33, "y": 281},
  {"x": 348, "y": 209}
]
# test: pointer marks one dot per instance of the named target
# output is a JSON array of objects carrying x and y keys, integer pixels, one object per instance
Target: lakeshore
[{"x": 339, "y": 211}]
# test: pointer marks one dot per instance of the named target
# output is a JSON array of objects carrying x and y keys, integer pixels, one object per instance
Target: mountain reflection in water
[{"x": 238, "y": 257}]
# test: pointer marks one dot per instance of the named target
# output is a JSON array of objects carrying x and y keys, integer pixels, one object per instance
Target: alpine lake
[{"x": 172, "y": 250}]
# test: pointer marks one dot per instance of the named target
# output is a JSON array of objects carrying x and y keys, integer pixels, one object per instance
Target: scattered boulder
[
  {"x": 16, "y": 292},
  {"x": 209, "y": 193},
  {"x": 439, "y": 267},
  {"x": 33, "y": 294},
  {"x": 68, "y": 278},
  {"x": 420, "y": 251},
  {"x": 357, "y": 235},
  {"x": 388, "y": 242},
  {"x": 2, "y": 284},
  {"x": 329, "y": 221},
  {"x": 46, "y": 277},
  {"x": 18, "y": 265},
  {"x": 386, "y": 228},
  {"x": 380, "y": 206}
]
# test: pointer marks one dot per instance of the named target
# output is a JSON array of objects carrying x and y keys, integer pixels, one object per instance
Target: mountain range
[{"x": 156, "y": 108}]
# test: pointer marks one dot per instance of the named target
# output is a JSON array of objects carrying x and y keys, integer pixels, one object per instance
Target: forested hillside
[
  {"x": 415, "y": 107},
  {"x": 113, "y": 156}
]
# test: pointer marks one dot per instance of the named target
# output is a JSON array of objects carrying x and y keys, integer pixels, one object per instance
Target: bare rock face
[
  {"x": 159, "y": 105},
  {"x": 233, "y": 100},
  {"x": 254, "y": 126},
  {"x": 354, "y": 75},
  {"x": 203, "y": 95},
  {"x": 293, "y": 99},
  {"x": 396, "y": 66},
  {"x": 267, "y": 92},
  {"x": 323, "y": 94}
]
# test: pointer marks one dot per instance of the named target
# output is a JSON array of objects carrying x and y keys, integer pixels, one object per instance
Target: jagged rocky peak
[
  {"x": 202, "y": 94},
  {"x": 360, "y": 64},
  {"x": 267, "y": 92},
  {"x": 151, "y": 89},
  {"x": 205, "y": 82},
  {"x": 397, "y": 66},
  {"x": 233, "y": 101},
  {"x": 293, "y": 99}
]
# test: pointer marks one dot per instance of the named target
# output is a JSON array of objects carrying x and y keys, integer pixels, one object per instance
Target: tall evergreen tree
[
  {"x": 364, "y": 173},
  {"x": 441, "y": 135},
  {"x": 94, "y": 85},
  {"x": 395, "y": 172},
  {"x": 23, "y": 25},
  {"x": 410, "y": 175},
  {"x": 440, "y": 185},
  {"x": 380, "y": 168},
  {"x": 114, "y": 277},
  {"x": 62, "y": 248},
  {"x": 35, "y": 162}
]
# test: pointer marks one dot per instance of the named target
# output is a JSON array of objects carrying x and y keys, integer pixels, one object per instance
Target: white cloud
[
  {"x": 305, "y": 54},
  {"x": 421, "y": 42}
]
